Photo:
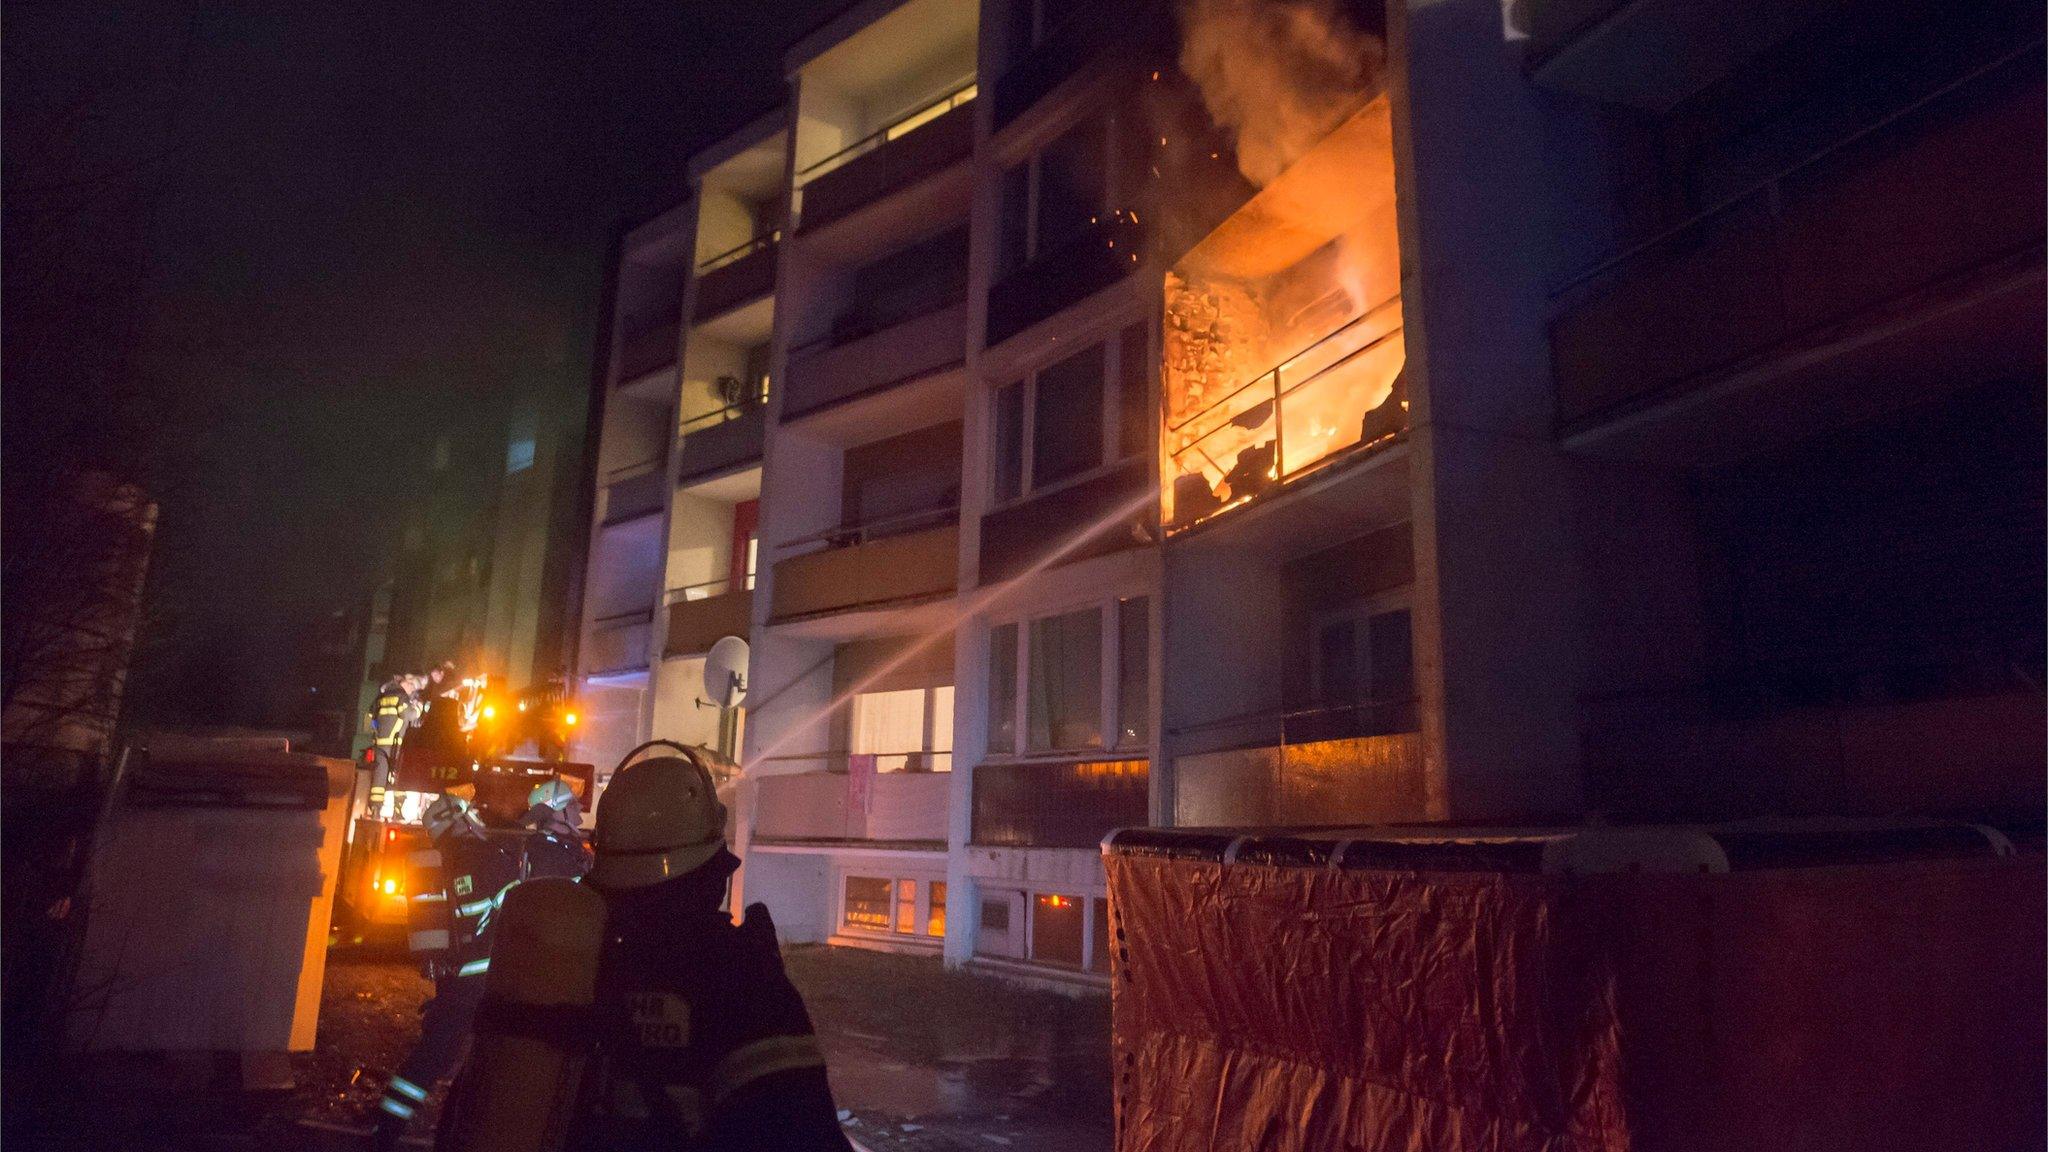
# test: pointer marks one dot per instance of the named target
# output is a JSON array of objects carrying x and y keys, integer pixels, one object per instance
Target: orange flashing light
[
  {"x": 490, "y": 712},
  {"x": 569, "y": 718}
]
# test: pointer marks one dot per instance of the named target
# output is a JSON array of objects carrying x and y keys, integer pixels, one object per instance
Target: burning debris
[{"x": 1283, "y": 325}]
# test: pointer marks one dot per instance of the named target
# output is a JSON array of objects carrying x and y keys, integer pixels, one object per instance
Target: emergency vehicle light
[{"x": 569, "y": 719}]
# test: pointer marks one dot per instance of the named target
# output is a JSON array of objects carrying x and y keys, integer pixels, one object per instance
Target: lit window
[
  {"x": 867, "y": 903},
  {"x": 906, "y": 905},
  {"x": 519, "y": 447},
  {"x": 906, "y": 730},
  {"x": 753, "y": 559},
  {"x": 935, "y": 915},
  {"x": 1064, "y": 682}
]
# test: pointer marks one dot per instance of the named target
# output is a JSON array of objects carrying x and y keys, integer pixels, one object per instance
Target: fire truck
[{"x": 375, "y": 880}]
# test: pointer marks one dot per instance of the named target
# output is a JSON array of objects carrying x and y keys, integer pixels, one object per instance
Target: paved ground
[{"x": 921, "y": 1060}]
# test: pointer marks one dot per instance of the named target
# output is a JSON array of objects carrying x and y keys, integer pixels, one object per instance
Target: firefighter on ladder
[
  {"x": 397, "y": 708},
  {"x": 692, "y": 1036},
  {"x": 451, "y": 929}
]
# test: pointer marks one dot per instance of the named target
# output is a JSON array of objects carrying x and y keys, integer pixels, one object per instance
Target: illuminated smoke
[{"x": 1277, "y": 74}]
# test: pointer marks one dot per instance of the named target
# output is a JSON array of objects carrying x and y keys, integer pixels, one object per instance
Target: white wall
[
  {"x": 677, "y": 716},
  {"x": 724, "y": 222},
  {"x": 699, "y": 540}
]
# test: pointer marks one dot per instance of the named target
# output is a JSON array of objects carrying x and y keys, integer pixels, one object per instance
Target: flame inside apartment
[{"x": 1282, "y": 343}]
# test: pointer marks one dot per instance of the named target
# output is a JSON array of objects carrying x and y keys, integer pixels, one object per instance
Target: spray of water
[{"x": 982, "y": 600}]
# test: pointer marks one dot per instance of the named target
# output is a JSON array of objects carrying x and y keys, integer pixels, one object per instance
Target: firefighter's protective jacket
[
  {"x": 703, "y": 1043},
  {"x": 563, "y": 854},
  {"x": 479, "y": 873},
  {"x": 394, "y": 712}
]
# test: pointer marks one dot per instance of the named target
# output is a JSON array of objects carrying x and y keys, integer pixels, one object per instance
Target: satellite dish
[{"x": 725, "y": 672}]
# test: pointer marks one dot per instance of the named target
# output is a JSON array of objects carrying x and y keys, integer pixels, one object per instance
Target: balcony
[
  {"x": 1013, "y": 537},
  {"x": 927, "y": 141},
  {"x": 1098, "y": 35},
  {"x": 919, "y": 347},
  {"x": 1904, "y": 224},
  {"x": 860, "y": 568},
  {"x": 1060, "y": 805},
  {"x": 720, "y": 441},
  {"x": 1359, "y": 764},
  {"x": 700, "y": 616},
  {"x": 618, "y": 643},
  {"x": 634, "y": 491},
  {"x": 735, "y": 277},
  {"x": 648, "y": 351},
  {"x": 1055, "y": 280},
  {"x": 905, "y": 808},
  {"x": 1652, "y": 54}
]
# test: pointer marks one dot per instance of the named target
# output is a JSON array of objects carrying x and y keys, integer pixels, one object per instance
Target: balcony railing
[
  {"x": 634, "y": 490},
  {"x": 618, "y": 643},
  {"x": 822, "y": 805},
  {"x": 825, "y": 374},
  {"x": 1291, "y": 419},
  {"x": 1350, "y": 764},
  {"x": 896, "y": 129},
  {"x": 904, "y": 558},
  {"x": 1109, "y": 249},
  {"x": 1058, "y": 805},
  {"x": 1140, "y": 32},
  {"x": 648, "y": 351},
  {"x": 1929, "y": 195},
  {"x": 724, "y": 438},
  {"x": 740, "y": 251},
  {"x": 700, "y": 615},
  {"x": 735, "y": 277}
]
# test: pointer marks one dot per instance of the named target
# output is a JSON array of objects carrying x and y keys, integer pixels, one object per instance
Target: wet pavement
[{"x": 921, "y": 1060}]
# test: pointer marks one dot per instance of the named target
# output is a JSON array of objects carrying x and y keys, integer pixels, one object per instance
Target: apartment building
[{"x": 1534, "y": 434}]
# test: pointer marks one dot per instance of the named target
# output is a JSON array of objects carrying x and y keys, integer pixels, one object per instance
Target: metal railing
[
  {"x": 740, "y": 251},
  {"x": 912, "y": 760},
  {"x": 1387, "y": 717},
  {"x": 631, "y": 471},
  {"x": 756, "y": 395},
  {"x": 901, "y": 126},
  {"x": 705, "y": 590},
  {"x": 846, "y": 535},
  {"x": 1253, "y": 418}
]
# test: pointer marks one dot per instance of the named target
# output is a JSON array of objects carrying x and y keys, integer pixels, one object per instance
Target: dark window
[
  {"x": 1393, "y": 664},
  {"x": 1133, "y": 698},
  {"x": 1066, "y": 438},
  {"x": 1016, "y": 219},
  {"x": 1056, "y": 930},
  {"x": 1002, "y": 688},
  {"x": 1099, "y": 959},
  {"x": 995, "y": 915},
  {"x": 1064, "y": 684},
  {"x": 867, "y": 902},
  {"x": 1009, "y": 442},
  {"x": 1337, "y": 657},
  {"x": 1133, "y": 396},
  {"x": 1070, "y": 185}
]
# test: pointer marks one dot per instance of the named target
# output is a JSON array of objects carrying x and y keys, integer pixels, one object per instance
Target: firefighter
[
  {"x": 702, "y": 1041},
  {"x": 397, "y": 708},
  {"x": 476, "y": 875},
  {"x": 556, "y": 846}
]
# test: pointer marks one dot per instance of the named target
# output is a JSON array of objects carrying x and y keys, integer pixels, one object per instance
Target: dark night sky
[{"x": 297, "y": 241}]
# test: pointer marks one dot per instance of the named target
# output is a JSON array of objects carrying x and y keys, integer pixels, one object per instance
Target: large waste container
[
  {"x": 211, "y": 886},
  {"x": 1756, "y": 987}
]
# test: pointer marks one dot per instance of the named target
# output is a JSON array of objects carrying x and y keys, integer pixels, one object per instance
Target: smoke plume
[{"x": 1277, "y": 74}]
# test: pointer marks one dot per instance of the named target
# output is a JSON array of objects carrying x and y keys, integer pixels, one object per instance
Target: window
[
  {"x": 753, "y": 559},
  {"x": 1056, "y": 927},
  {"x": 1064, "y": 682},
  {"x": 995, "y": 915},
  {"x": 1002, "y": 689},
  {"x": 1100, "y": 944},
  {"x": 906, "y": 905},
  {"x": 1086, "y": 680},
  {"x": 935, "y": 915},
  {"x": 1133, "y": 658},
  {"x": 1076, "y": 420},
  {"x": 1363, "y": 655},
  {"x": 519, "y": 446},
  {"x": 906, "y": 730},
  {"x": 867, "y": 903},
  {"x": 1056, "y": 195}
]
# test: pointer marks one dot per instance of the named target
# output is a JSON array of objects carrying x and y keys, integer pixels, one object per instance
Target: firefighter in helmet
[
  {"x": 474, "y": 876},
  {"x": 396, "y": 709},
  {"x": 556, "y": 846},
  {"x": 702, "y": 1041}
]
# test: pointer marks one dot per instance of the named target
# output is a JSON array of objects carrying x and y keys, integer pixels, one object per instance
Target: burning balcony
[{"x": 1283, "y": 334}]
